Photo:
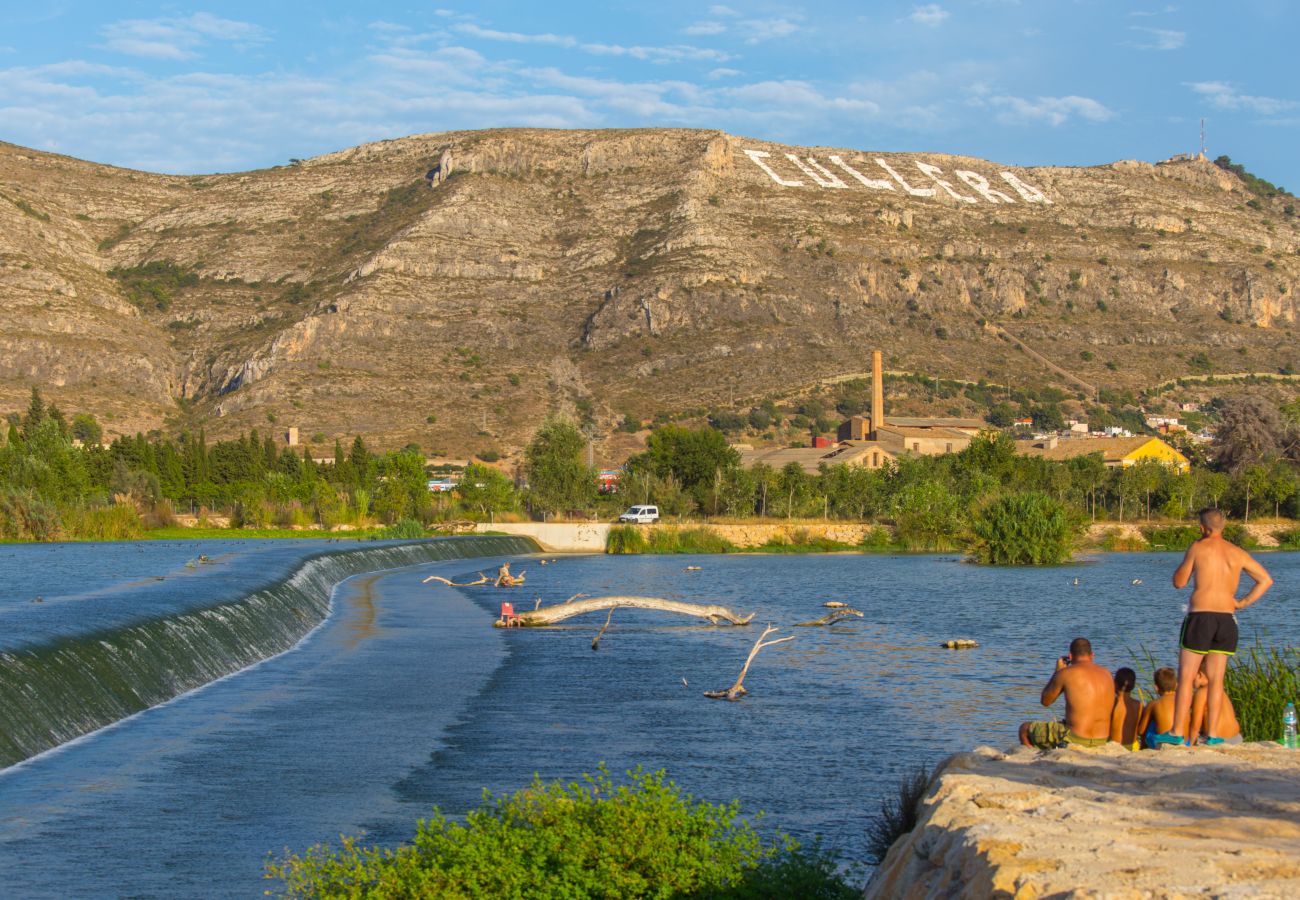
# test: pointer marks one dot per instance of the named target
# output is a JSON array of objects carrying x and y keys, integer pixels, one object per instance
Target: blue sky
[{"x": 228, "y": 86}]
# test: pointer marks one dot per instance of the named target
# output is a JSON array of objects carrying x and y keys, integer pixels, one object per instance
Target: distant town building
[
  {"x": 1116, "y": 452},
  {"x": 291, "y": 436},
  {"x": 874, "y": 441}
]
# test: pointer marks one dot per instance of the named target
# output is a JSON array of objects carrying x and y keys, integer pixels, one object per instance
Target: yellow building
[{"x": 1116, "y": 453}]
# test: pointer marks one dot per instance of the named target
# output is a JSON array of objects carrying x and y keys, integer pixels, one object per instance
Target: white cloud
[
  {"x": 931, "y": 15},
  {"x": 1223, "y": 95},
  {"x": 724, "y": 73},
  {"x": 758, "y": 30},
  {"x": 176, "y": 38},
  {"x": 704, "y": 28},
  {"x": 722, "y": 11},
  {"x": 1160, "y": 38},
  {"x": 1052, "y": 110},
  {"x": 673, "y": 53},
  {"x": 515, "y": 37}
]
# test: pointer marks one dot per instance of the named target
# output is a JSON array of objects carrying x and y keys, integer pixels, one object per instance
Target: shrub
[
  {"x": 589, "y": 839},
  {"x": 1260, "y": 682},
  {"x": 119, "y": 522},
  {"x": 405, "y": 530},
  {"x": 26, "y": 517},
  {"x": 1237, "y": 533},
  {"x": 625, "y": 539},
  {"x": 897, "y": 814},
  {"x": 1171, "y": 537},
  {"x": 687, "y": 540},
  {"x": 1288, "y": 540},
  {"x": 877, "y": 538},
  {"x": 1029, "y": 529}
]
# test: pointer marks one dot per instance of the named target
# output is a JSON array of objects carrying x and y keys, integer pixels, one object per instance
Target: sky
[{"x": 185, "y": 88}]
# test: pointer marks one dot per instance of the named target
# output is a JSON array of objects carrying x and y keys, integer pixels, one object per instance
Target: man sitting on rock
[{"x": 1089, "y": 697}]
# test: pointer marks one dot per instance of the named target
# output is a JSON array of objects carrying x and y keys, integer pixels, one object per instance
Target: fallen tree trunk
[
  {"x": 482, "y": 579},
  {"x": 549, "y": 615},
  {"x": 595, "y": 642},
  {"x": 832, "y": 617}
]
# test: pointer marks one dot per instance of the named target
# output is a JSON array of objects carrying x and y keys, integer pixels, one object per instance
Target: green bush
[
  {"x": 877, "y": 538},
  {"x": 1237, "y": 533},
  {"x": 1029, "y": 529},
  {"x": 1260, "y": 682},
  {"x": 581, "y": 840},
  {"x": 405, "y": 530},
  {"x": 1288, "y": 540},
  {"x": 625, "y": 539},
  {"x": 119, "y": 522},
  {"x": 687, "y": 540},
  {"x": 26, "y": 517},
  {"x": 1171, "y": 537}
]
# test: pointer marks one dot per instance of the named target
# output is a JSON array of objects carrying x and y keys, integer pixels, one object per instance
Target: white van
[{"x": 641, "y": 515}]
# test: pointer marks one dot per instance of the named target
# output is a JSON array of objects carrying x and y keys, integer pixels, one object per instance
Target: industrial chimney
[{"x": 877, "y": 394}]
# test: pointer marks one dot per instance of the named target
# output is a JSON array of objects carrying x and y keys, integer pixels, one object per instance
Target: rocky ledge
[{"x": 1221, "y": 822}]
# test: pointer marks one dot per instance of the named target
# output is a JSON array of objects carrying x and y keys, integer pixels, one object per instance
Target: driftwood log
[
  {"x": 832, "y": 617},
  {"x": 482, "y": 579},
  {"x": 737, "y": 690},
  {"x": 549, "y": 615}
]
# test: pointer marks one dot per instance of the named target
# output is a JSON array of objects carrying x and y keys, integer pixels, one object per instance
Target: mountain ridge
[{"x": 633, "y": 271}]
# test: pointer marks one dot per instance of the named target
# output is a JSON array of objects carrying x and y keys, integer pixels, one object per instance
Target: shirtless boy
[
  {"x": 1127, "y": 712},
  {"x": 1209, "y": 634},
  {"x": 1158, "y": 715},
  {"x": 1089, "y": 696}
]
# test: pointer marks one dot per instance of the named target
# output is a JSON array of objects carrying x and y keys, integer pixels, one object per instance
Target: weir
[{"x": 54, "y": 692}]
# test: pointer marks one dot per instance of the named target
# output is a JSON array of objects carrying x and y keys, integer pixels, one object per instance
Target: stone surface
[{"x": 1203, "y": 822}]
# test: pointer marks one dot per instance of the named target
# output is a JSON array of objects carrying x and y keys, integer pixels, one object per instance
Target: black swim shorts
[{"x": 1209, "y": 632}]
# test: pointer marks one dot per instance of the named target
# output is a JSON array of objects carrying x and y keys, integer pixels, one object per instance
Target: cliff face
[
  {"x": 613, "y": 271},
  {"x": 1217, "y": 822}
]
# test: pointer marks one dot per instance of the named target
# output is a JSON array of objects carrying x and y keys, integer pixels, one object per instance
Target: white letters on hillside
[
  {"x": 758, "y": 156},
  {"x": 980, "y": 185},
  {"x": 823, "y": 177},
  {"x": 914, "y": 191},
  {"x": 934, "y": 172},
  {"x": 876, "y": 184}
]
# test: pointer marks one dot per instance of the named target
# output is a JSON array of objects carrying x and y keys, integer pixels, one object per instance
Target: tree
[
  {"x": 86, "y": 429},
  {"x": 558, "y": 478},
  {"x": 1253, "y": 481},
  {"x": 1281, "y": 485},
  {"x": 402, "y": 487},
  {"x": 35, "y": 413},
  {"x": 1250, "y": 431},
  {"x": 1027, "y": 529},
  {"x": 1146, "y": 476},
  {"x": 692, "y": 456},
  {"x": 485, "y": 490}
]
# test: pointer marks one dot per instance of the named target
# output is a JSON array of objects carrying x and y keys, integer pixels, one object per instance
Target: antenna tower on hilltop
[{"x": 1203, "y": 156}]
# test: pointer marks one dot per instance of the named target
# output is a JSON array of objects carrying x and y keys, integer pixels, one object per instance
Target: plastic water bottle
[{"x": 1288, "y": 726}]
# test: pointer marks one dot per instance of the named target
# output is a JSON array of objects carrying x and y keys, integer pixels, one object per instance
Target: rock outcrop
[{"x": 1202, "y": 822}]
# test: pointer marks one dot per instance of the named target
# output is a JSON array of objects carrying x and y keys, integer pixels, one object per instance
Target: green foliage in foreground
[
  {"x": 1260, "y": 682},
  {"x": 581, "y": 840},
  {"x": 1171, "y": 537},
  {"x": 1029, "y": 529}
]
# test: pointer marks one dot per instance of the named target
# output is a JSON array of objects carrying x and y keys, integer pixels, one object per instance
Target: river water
[{"x": 406, "y": 698}]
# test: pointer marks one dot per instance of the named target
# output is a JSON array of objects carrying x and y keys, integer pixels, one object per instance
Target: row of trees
[{"x": 51, "y": 466}]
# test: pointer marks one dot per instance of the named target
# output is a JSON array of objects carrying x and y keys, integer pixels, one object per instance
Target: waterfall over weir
[{"x": 70, "y": 684}]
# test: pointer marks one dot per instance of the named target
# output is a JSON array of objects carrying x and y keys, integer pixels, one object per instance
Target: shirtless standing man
[
  {"x": 1089, "y": 697},
  {"x": 1209, "y": 634}
]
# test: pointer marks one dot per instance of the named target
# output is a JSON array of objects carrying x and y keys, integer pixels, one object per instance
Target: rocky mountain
[{"x": 450, "y": 289}]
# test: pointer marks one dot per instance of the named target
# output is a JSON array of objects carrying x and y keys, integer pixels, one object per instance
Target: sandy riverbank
[{"x": 1216, "y": 822}]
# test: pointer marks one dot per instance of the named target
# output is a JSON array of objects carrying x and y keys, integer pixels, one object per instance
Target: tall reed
[{"x": 1260, "y": 682}]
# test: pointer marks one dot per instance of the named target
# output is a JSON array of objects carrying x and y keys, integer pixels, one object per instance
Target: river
[{"x": 406, "y": 698}]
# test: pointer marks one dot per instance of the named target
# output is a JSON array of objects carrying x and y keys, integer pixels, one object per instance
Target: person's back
[
  {"x": 1209, "y": 633},
  {"x": 1158, "y": 716},
  {"x": 1089, "y": 699},
  {"x": 1126, "y": 711}
]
